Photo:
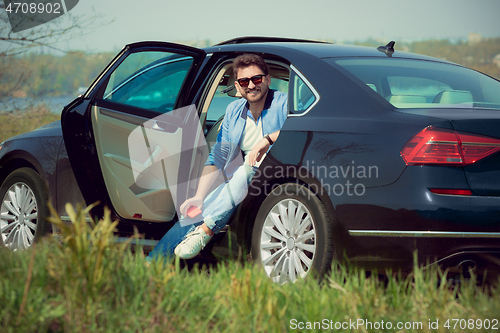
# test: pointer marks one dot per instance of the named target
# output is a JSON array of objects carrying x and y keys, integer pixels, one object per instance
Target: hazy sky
[{"x": 344, "y": 20}]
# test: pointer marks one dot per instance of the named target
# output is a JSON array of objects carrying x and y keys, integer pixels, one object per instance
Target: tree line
[
  {"x": 482, "y": 55},
  {"x": 50, "y": 75}
]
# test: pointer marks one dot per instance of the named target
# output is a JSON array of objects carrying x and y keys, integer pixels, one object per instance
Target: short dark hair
[{"x": 249, "y": 59}]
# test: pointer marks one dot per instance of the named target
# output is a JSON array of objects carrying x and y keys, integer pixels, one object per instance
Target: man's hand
[
  {"x": 194, "y": 201},
  {"x": 258, "y": 151}
]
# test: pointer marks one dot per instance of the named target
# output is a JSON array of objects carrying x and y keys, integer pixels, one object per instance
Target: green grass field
[{"x": 81, "y": 281}]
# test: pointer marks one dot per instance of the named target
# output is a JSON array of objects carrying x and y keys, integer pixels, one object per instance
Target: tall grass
[
  {"x": 81, "y": 281},
  {"x": 14, "y": 123}
]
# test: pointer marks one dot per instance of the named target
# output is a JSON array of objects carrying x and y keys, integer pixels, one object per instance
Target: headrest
[
  {"x": 401, "y": 98},
  {"x": 453, "y": 97},
  {"x": 371, "y": 85}
]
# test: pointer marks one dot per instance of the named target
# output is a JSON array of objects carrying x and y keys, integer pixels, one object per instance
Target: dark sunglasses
[{"x": 256, "y": 79}]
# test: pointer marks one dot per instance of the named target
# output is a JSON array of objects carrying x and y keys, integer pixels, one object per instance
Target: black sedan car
[{"x": 384, "y": 154}]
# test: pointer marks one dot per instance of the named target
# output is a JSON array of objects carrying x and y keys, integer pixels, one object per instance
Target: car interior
[
  {"x": 221, "y": 93},
  {"x": 144, "y": 175}
]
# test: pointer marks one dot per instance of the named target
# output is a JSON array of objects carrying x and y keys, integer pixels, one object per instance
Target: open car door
[{"x": 126, "y": 136}]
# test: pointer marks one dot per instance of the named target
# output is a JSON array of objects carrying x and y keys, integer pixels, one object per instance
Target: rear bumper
[{"x": 387, "y": 224}]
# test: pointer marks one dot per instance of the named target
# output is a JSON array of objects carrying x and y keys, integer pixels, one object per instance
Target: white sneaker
[{"x": 194, "y": 242}]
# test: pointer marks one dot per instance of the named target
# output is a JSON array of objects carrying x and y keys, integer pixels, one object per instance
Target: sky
[{"x": 342, "y": 21}]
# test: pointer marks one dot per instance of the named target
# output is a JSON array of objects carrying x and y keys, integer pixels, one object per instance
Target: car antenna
[{"x": 388, "y": 49}]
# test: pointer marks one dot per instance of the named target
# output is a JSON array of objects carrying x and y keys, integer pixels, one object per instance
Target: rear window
[{"x": 409, "y": 83}]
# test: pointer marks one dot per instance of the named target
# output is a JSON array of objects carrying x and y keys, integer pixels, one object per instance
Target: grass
[
  {"x": 81, "y": 281},
  {"x": 14, "y": 123}
]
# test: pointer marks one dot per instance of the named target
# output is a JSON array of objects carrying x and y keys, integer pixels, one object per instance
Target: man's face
[{"x": 253, "y": 93}]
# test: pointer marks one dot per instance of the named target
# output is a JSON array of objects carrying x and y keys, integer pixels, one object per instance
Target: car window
[
  {"x": 149, "y": 80},
  {"x": 411, "y": 83},
  {"x": 416, "y": 86},
  {"x": 303, "y": 96},
  {"x": 219, "y": 104},
  {"x": 279, "y": 83},
  {"x": 221, "y": 98}
]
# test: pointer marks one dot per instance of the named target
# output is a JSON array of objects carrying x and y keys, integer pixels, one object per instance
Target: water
[{"x": 55, "y": 104}]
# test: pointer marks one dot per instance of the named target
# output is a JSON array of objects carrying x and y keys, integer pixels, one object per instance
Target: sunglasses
[{"x": 256, "y": 79}]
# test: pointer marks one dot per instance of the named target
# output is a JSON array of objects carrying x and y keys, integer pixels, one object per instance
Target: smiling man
[{"x": 251, "y": 125}]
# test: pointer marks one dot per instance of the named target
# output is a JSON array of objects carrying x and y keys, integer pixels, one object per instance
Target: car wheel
[
  {"x": 292, "y": 235},
  {"x": 23, "y": 209}
]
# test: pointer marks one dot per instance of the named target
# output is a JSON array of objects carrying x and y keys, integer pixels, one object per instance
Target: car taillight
[
  {"x": 447, "y": 147},
  {"x": 449, "y": 191}
]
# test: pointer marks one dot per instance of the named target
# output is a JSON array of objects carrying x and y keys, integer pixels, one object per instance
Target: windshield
[{"x": 411, "y": 83}]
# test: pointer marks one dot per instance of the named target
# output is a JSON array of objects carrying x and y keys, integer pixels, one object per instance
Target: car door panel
[
  {"x": 114, "y": 137},
  {"x": 119, "y": 119}
]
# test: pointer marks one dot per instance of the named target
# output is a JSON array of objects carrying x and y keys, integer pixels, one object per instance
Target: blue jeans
[{"x": 218, "y": 207}]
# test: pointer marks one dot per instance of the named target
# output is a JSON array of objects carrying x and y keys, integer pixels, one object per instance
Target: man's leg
[
  {"x": 170, "y": 240},
  {"x": 217, "y": 209},
  {"x": 220, "y": 207}
]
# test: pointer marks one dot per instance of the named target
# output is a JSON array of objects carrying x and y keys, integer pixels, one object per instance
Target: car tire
[
  {"x": 24, "y": 209},
  {"x": 288, "y": 251}
]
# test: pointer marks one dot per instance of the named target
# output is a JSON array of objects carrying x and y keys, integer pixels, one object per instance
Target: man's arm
[
  {"x": 261, "y": 148},
  {"x": 208, "y": 177},
  {"x": 274, "y": 136}
]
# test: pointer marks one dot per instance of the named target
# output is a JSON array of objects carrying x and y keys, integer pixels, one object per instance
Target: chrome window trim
[
  {"x": 423, "y": 234},
  {"x": 311, "y": 87}
]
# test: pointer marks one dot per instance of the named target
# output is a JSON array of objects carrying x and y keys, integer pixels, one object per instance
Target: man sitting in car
[{"x": 251, "y": 124}]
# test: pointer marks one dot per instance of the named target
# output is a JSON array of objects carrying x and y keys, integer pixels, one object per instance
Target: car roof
[
  {"x": 265, "y": 39},
  {"x": 315, "y": 48}
]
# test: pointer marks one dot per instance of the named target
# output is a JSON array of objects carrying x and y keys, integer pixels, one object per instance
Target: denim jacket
[{"x": 226, "y": 148}]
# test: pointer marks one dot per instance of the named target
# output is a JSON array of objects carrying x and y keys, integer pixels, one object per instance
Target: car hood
[
  {"x": 51, "y": 129},
  {"x": 55, "y": 124}
]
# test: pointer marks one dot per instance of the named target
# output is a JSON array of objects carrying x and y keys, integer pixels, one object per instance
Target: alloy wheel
[
  {"x": 18, "y": 217},
  {"x": 288, "y": 241}
]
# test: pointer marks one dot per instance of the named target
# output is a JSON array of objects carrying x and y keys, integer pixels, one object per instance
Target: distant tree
[
  {"x": 479, "y": 56},
  {"x": 16, "y": 75},
  {"x": 46, "y": 35}
]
